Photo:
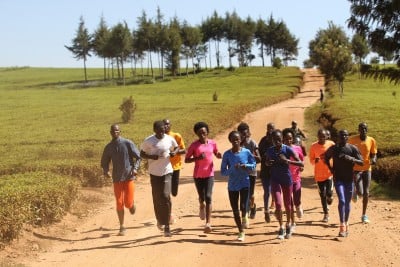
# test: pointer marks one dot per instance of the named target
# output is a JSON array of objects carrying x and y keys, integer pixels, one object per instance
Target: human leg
[
  {"x": 366, "y": 181},
  {"x": 166, "y": 204},
  {"x": 297, "y": 198},
  {"x": 119, "y": 199},
  {"x": 175, "y": 182},
  {"x": 234, "y": 201},
  {"x": 244, "y": 200},
  {"x": 323, "y": 189},
  {"x": 201, "y": 184},
  {"x": 252, "y": 205},
  {"x": 266, "y": 184},
  {"x": 208, "y": 200},
  {"x": 129, "y": 193}
]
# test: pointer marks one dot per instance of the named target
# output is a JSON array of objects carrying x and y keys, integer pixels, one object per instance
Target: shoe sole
[{"x": 207, "y": 230}]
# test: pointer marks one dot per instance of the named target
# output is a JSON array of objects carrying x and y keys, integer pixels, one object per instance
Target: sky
[{"x": 34, "y": 33}]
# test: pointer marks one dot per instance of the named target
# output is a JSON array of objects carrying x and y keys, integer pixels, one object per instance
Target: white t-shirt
[{"x": 161, "y": 147}]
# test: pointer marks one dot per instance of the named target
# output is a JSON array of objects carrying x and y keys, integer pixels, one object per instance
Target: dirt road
[{"x": 93, "y": 240}]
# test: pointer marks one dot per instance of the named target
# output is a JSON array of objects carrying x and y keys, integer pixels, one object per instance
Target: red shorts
[{"x": 124, "y": 193}]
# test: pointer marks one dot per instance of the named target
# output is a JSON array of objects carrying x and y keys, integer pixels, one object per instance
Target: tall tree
[
  {"x": 360, "y": 49},
  {"x": 259, "y": 34},
  {"x": 331, "y": 52},
  {"x": 121, "y": 43},
  {"x": 101, "y": 37},
  {"x": 379, "y": 21},
  {"x": 81, "y": 44},
  {"x": 191, "y": 40},
  {"x": 213, "y": 29},
  {"x": 175, "y": 42}
]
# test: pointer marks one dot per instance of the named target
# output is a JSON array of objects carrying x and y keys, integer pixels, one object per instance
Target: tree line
[{"x": 174, "y": 41}]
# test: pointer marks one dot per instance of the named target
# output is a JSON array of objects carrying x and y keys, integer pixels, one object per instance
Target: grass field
[{"x": 49, "y": 118}]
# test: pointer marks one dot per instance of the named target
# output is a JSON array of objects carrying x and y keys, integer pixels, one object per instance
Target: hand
[
  {"x": 283, "y": 159},
  {"x": 218, "y": 155},
  {"x": 317, "y": 160}
]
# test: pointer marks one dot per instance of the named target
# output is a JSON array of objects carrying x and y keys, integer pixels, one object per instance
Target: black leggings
[
  {"x": 325, "y": 191},
  {"x": 237, "y": 203}
]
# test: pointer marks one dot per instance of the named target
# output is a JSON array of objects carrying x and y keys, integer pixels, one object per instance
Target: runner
[
  {"x": 158, "y": 148},
  {"x": 362, "y": 174},
  {"x": 296, "y": 177},
  {"x": 265, "y": 174},
  {"x": 125, "y": 159},
  {"x": 344, "y": 156},
  {"x": 201, "y": 153},
  {"x": 322, "y": 174},
  {"x": 246, "y": 142},
  {"x": 237, "y": 163},
  {"x": 176, "y": 160},
  {"x": 278, "y": 158}
]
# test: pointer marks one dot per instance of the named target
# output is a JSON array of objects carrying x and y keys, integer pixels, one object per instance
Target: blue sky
[{"x": 33, "y": 33}]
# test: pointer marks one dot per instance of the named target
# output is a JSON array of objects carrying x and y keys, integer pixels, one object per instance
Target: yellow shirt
[
  {"x": 176, "y": 161},
  {"x": 321, "y": 170},
  {"x": 366, "y": 147}
]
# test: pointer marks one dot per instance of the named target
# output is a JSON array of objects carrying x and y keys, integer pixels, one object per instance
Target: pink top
[
  {"x": 203, "y": 168},
  {"x": 295, "y": 170}
]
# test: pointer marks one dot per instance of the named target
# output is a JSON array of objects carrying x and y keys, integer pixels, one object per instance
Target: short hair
[
  {"x": 158, "y": 124},
  {"x": 243, "y": 126},
  {"x": 200, "y": 125},
  {"x": 288, "y": 130},
  {"x": 232, "y": 133}
]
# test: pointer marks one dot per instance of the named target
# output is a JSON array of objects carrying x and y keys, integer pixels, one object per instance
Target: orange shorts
[{"x": 124, "y": 193}]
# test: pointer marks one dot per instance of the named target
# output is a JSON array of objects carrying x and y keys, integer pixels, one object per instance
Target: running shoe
[
  {"x": 202, "y": 212},
  {"x": 281, "y": 234},
  {"x": 122, "y": 231},
  {"x": 299, "y": 212},
  {"x": 245, "y": 222},
  {"x": 253, "y": 211},
  {"x": 365, "y": 219},
  {"x": 167, "y": 232},
  {"x": 241, "y": 236},
  {"x": 293, "y": 228},
  {"x": 267, "y": 217},
  {"x": 326, "y": 218},
  {"x": 342, "y": 232},
  {"x": 288, "y": 232},
  {"x": 132, "y": 210},
  {"x": 207, "y": 228}
]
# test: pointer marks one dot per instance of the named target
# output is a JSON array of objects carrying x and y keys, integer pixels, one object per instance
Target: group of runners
[{"x": 345, "y": 165}]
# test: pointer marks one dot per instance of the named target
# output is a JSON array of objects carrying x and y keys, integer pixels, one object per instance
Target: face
[
  {"x": 270, "y": 128},
  {"x": 363, "y": 129},
  {"x": 321, "y": 136},
  {"x": 288, "y": 139},
  {"x": 167, "y": 125},
  {"x": 244, "y": 134},
  {"x": 202, "y": 133},
  {"x": 294, "y": 125},
  {"x": 235, "y": 140},
  {"x": 115, "y": 131},
  {"x": 159, "y": 130},
  {"x": 343, "y": 137},
  {"x": 277, "y": 139}
]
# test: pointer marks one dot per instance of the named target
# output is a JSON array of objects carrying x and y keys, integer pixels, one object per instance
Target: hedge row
[{"x": 36, "y": 198}]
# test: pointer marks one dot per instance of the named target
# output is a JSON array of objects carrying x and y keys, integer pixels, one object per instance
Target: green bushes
[
  {"x": 36, "y": 198},
  {"x": 127, "y": 107}
]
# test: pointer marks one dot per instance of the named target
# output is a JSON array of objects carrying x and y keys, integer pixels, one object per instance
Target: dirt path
[{"x": 92, "y": 241}]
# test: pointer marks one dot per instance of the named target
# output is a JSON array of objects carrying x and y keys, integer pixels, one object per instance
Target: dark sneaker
[
  {"x": 288, "y": 232},
  {"x": 132, "y": 210},
  {"x": 267, "y": 217},
  {"x": 253, "y": 211},
  {"x": 160, "y": 226},
  {"x": 167, "y": 232}
]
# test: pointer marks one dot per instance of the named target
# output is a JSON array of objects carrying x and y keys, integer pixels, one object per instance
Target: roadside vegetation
[{"x": 53, "y": 125}]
